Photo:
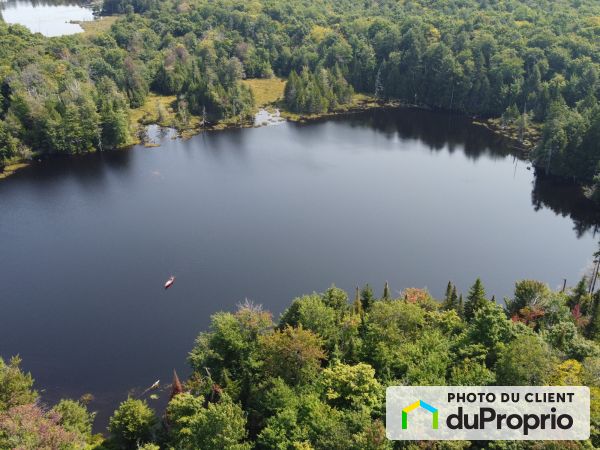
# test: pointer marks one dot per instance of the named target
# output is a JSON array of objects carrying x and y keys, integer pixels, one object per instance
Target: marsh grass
[
  {"x": 101, "y": 25},
  {"x": 267, "y": 91}
]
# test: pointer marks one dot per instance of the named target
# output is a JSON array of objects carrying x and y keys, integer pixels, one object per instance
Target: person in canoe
[
  {"x": 170, "y": 282},
  {"x": 153, "y": 387}
]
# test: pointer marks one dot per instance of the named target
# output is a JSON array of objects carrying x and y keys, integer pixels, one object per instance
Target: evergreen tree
[
  {"x": 367, "y": 298},
  {"x": 386, "y": 292},
  {"x": 448, "y": 291},
  {"x": 291, "y": 90},
  {"x": 592, "y": 330},
  {"x": 341, "y": 90},
  {"x": 447, "y": 296},
  {"x": 461, "y": 306},
  {"x": 357, "y": 305},
  {"x": 114, "y": 120},
  {"x": 451, "y": 298},
  {"x": 475, "y": 299},
  {"x": 579, "y": 293},
  {"x": 454, "y": 298},
  {"x": 316, "y": 92}
]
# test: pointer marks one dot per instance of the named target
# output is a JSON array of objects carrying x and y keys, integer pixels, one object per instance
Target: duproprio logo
[
  {"x": 480, "y": 413},
  {"x": 425, "y": 406}
]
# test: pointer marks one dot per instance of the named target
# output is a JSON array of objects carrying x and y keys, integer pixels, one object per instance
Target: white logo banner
[{"x": 488, "y": 413}]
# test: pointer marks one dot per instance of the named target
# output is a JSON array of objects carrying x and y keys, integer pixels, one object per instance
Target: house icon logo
[{"x": 425, "y": 406}]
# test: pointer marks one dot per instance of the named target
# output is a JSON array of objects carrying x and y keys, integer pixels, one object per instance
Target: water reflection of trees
[
  {"x": 89, "y": 171},
  {"x": 567, "y": 200},
  {"x": 442, "y": 131},
  {"x": 439, "y": 131},
  {"x": 14, "y": 3}
]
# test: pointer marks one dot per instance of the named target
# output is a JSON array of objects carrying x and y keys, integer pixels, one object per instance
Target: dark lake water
[
  {"x": 412, "y": 197},
  {"x": 49, "y": 17}
]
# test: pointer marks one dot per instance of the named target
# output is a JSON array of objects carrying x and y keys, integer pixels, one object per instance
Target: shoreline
[
  {"x": 361, "y": 104},
  {"x": 525, "y": 147}
]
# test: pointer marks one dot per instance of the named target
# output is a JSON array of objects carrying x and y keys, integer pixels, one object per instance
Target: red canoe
[{"x": 169, "y": 282}]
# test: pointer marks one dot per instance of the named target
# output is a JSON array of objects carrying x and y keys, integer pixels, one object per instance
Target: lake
[
  {"x": 412, "y": 197},
  {"x": 51, "y": 18}
]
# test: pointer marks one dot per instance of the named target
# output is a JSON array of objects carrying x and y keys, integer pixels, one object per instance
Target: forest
[
  {"x": 526, "y": 63},
  {"x": 316, "y": 377}
]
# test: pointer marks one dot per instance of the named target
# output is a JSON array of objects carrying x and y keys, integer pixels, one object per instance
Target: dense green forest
[
  {"x": 316, "y": 378},
  {"x": 535, "y": 61}
]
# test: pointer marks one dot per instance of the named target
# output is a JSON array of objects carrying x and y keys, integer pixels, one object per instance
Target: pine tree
[
  {"x": 451, "y": 298},
  {"x": 386, "y": 291},
  {"x": 366, "y": 297},
  {"x": 357, "y": 305},
  {"x": 475, "y": 300},
  {"x": 113, "y": 115},
  {"x": 341, "y": 90},
  {"x": 291, "y": 91},
  {"x": 461, "y": 307},
  {"x": 593, "y": 328},
  {"x": 448, "y": 296},
  {"x": 448, "y": 290},
  {"x": 316, "y": 92},
  {"x": 336, "y": 354},
  {"x": 579, "y": 292}
]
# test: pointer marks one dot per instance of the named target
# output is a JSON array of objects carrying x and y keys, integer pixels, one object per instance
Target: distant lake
[
  {"x": 412, "y": 197},
  {"x": 51, "y": 18}
]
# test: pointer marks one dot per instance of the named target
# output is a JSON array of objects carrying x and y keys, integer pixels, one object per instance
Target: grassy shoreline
[
  {"x": 9, "y": 169},
  {"x": 99, "y": 25}
]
